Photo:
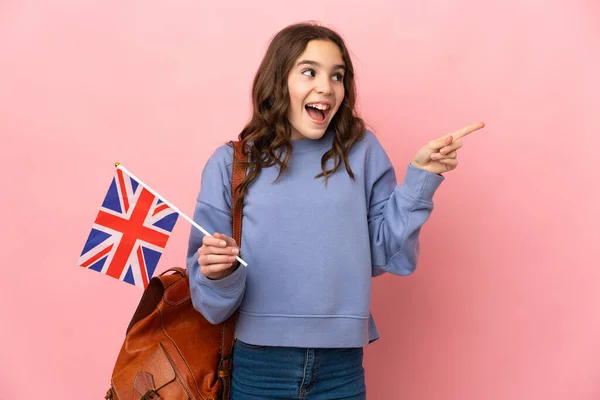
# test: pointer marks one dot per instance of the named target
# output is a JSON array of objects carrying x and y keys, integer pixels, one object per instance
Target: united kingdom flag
[{"x": 130, "y": 232}]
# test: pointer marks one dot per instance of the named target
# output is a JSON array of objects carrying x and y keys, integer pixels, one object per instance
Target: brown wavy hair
[{"x": 269, "y": 130}]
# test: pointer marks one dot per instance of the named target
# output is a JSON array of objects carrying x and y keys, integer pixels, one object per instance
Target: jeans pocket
[{"x": 248, "y": 346}]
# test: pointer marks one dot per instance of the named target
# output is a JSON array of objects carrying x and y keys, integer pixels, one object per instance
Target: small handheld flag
[{"x": 131, "y": 231}]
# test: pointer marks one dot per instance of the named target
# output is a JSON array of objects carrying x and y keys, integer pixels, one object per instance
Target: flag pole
[{"x": 191, "y": 221}]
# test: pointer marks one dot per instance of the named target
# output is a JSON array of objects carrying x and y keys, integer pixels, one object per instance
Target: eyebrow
[{"x": 316, "y": 64}]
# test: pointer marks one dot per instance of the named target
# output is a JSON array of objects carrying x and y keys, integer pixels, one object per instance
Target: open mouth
[{"x": 318, "y": 112}]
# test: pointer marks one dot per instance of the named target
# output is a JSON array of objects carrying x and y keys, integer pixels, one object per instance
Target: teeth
[{"x": 321, "y": 107}]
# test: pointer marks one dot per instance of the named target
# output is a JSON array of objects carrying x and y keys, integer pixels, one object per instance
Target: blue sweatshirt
[{"x": 311, "y": 248}]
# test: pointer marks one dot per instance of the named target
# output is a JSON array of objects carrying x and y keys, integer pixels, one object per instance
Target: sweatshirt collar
[{"x": 306, "y": 145}]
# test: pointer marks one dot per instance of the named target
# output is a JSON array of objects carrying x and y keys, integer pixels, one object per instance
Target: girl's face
[{"x": 316, "y": 88}]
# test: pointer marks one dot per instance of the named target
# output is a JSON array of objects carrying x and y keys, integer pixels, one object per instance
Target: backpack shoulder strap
[
  {"x": 237, "y": 177},
  {"x": 227, "y": 337}
]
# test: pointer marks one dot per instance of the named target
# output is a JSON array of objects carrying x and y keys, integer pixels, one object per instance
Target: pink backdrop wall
[{"x": 504, "y": 304}]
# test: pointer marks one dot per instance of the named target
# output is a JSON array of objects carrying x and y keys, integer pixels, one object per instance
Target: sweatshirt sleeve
[
  {"x": 215, "y": 299},
  {"x": 397, "y": 212}
]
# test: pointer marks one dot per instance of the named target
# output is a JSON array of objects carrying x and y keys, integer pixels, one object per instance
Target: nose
[{"x": 324, "y": 86}]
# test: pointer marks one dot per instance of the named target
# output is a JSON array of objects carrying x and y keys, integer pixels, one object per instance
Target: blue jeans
[{"x": 261, "y": 372}]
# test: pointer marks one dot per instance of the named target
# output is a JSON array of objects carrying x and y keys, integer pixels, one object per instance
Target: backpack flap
[{"x": 150, "y": 371}]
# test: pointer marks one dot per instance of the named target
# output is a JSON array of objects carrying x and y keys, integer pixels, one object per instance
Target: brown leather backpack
[{"x": 171, "y": 352}]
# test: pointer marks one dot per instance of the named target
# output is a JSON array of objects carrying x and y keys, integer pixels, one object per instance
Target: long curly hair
[{"x": 269, "y": 130}]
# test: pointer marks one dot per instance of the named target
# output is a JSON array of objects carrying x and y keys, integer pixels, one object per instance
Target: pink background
[{"x": 504, "y": 304}]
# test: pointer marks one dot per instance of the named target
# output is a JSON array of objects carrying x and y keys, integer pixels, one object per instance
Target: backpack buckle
[
  {"x": 225, "y": 363},
  {"x": 150, "y": 395}
]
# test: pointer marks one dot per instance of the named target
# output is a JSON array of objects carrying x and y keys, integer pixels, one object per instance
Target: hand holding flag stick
[
  {"x": 131, "y": 230},
  {"x": 191, "y": 221}
]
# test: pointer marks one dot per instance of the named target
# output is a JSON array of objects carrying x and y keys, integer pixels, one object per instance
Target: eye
[
  {"x": 309, "y": 72},
  {"x": 338, "y": 77}
]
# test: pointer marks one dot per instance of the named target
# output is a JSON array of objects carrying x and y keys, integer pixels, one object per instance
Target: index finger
[
  {"x": 229, "y": 240},
  {"x": 213, "y": 241},
  {"x": 460, "y": 133}
]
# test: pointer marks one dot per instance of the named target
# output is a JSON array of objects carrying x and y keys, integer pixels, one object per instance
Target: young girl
[{"x": 323, "y": 214}]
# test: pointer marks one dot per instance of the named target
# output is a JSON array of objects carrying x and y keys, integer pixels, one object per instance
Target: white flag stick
[{"x": 191, "y": 221}]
